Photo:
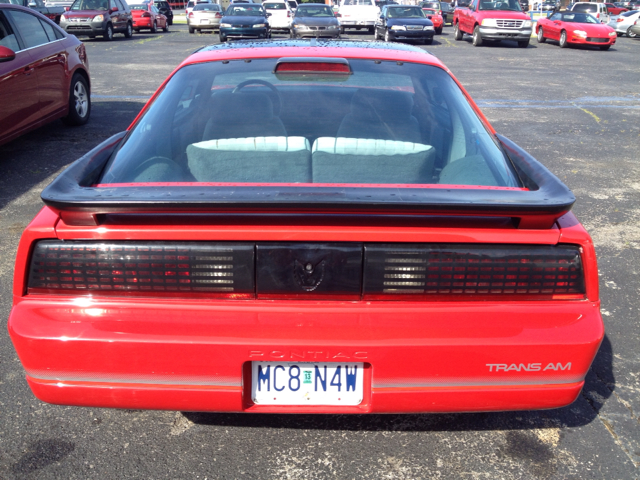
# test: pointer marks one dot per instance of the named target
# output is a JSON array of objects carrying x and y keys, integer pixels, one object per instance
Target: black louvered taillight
[
  {"x": 225, "y": 269},
  {"x": 401, "y": 270}
]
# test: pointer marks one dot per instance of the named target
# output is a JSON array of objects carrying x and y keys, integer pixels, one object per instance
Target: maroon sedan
[
  {"x": 613, "y": 10},
  {"x": 44, "y": 73}
]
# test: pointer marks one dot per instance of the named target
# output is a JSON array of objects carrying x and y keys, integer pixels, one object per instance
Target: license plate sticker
[{"x": 301, "y": 383}]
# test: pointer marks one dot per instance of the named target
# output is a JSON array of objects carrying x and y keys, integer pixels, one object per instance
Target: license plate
[
  {"x": 301, "y": 383},
  {"x": 204, "y": 21}
]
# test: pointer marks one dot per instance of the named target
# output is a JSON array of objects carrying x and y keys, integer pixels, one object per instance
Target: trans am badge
[{"x": 307, "y": 275}]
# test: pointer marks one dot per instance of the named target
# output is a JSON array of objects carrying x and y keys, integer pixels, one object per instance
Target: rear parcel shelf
[{"x": 80, "y": 202}]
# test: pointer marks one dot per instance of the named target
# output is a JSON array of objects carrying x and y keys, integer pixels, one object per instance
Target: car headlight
[
  {"x": 398, "y": 27},
  {"x": 301, "y": 27},
  {"x": 488, "y": 22},
  {"x": 527, "y": 24},
  {"x": 225, "y": 25},
  {"x": 580, "y": 33},
  {"x": 63, "y": 18},
  {"x": 612, "y": 34},
  {"x": 259, "y": 25},
  {"x": 98, "y": 18},
  {"x": 429, "y": 27}
]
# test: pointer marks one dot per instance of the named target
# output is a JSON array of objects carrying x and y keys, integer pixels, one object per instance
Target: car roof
[{"x": 350, "y": 49}]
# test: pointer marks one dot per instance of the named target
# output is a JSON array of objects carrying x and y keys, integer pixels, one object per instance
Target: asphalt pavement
[{"x": 577, "y": 110}]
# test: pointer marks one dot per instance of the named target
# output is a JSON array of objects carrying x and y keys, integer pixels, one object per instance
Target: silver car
[
  {"x": 204, "y": 16},
  {"x": 625, "y": 22}
]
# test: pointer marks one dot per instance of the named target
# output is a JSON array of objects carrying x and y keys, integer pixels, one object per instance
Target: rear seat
[
  {"x": 251, "y": 160},
  {"x": 359, "y": 160}
]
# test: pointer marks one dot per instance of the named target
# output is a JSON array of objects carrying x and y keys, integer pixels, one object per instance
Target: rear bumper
[
  {"x": 491, "y": 33},
  {"x": 188, "y": 355}
]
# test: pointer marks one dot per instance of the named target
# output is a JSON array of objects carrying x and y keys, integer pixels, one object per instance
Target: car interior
[{"x": 400, "y": 131}]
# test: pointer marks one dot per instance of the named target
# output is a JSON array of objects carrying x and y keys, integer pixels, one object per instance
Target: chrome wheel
[
  {"x": 541, "y": 38},
  {"x": 81, "y": 99},
  {"x": 563, "y": 39},
  {"x": 387, "y": 37},
  {"x": 631, "y": 34}
]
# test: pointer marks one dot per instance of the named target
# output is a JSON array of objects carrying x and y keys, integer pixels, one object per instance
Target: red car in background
[
  {"x": 575, "y": 28},
  {"x": 438, "y": 21},
  {"x": 147, "y": 17},
  {"x": 44, "y": 73},
  {"x": 613, "y": 10}
]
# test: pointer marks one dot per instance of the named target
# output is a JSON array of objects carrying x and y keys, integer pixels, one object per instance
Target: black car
[
  {"x": 447, "y": 12},
  {"x": 244, "y": 20},
  {"x": 550, "y": 6},
  {"x": 404, "y": 22},
  {"x": 524, "y": 5},
  {"x": 165, "y": 9},
  {"x": 314, "y": 20}
]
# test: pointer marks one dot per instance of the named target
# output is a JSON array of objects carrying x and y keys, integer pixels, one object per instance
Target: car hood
[
  {"x": 316, "y": 21},
  {"x": 237, "y": 20},
  {"x": 85, "y": 13},
  {"x": 409, "y": 21},
  {"x": 590, "y": 28}
]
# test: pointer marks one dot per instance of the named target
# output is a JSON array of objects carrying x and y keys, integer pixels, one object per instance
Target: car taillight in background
[
  {"x": 288, "y": 14},
  {"x": 191, "y": 15},
  {"x": 620, "y": 20},
  {"x": 352, "y": 271},
  {"x": 218, "y": 15}
]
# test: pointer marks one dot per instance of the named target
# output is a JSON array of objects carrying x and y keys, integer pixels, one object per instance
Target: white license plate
[
  {"x": 204, "y": 21},
  {"x": 301, "y": 383}
]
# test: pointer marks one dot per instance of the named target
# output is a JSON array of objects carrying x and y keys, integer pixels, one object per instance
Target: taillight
[
  {"x": 396, "y": 270},
  {"x": 218, "y": 15},
  {"x": 218, "y": 269},
  {"x": 288, "y": 14},
  {"x": 190, "y": 14}
]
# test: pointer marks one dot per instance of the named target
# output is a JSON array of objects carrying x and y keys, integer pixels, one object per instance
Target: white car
[
  {"x": 281, "y": 14},
  {"x": 358, "y": 14},
  {"x": 194, "y": 2},
  {"x": 597, "y": 10},
  {"x": 625, "y": 22}
]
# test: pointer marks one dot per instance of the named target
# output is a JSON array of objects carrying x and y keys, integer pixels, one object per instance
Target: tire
[
  {"x": 523, "y": 44},
  {"x": 457, "y": 33},
  {"x": 170, "y": 22},
  {"x": 630, "y": 34},
  {"x": 165, "y": 29},
  {"x": 342, "y": 30},
  {"x": 477, "y": 38},
  {"x": 128, "y": 33},
  {"x": 605, "y": 47},
  {"x": 541, "y": 38},
  {"x": 108, "y": 34},
  {"x": 439, "y": 31},
  {"x": 192, "y": 30},
  {"x": 563, "y": 39},
  {"x": 154, "y": 29},
  {"x": 223, "y": 39},
  {"x": 387, "y": 37},
  {"x": 79, "y": 102},
  {"x": 428, "y": 41},
  {"x": 372, "y": 29}
]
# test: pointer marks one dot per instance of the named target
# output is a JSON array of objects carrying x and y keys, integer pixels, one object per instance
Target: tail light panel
[{"x": 317, "y": 271}]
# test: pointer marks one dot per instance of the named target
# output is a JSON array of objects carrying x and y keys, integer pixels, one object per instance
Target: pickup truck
[
  {"x": 53, "y": 13},
  {"x": 358, "y": 14},
  {"x": 492, "y": 21}
]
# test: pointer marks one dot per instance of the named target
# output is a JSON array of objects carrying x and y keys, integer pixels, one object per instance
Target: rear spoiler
[{"x": 79, "y": 202}]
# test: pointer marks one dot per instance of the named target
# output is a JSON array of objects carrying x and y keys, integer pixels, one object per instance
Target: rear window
[
  {"x": 274, "y": 6},
  {"x": 207, "y": 6},
  {"x": 581, "y": 7},
  {"x": 384, "y": 123},
  {"x": 138, "y": 7},
  {"x": 578, "y": 18}
]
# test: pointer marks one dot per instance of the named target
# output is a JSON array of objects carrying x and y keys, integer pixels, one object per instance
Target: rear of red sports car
[{"x": 307, "y": 228}]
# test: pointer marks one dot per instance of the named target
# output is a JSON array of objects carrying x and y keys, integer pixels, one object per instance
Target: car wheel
[
  {"x": 79, "y": 102},
  {"x": 170, "y": 22},
  {"x": 428, "y": 41},
  {"x": 605, "y": 47},
  {"x": 128, "y": 33},
  {"x": 223, "y": 39},
  {"x": 631, "y": 34},
  {"x": 541, "y": 38},
  {"x": 524, "y": 44},
  {"x": 165, "y": 29},
  {"x": 372, "y": 29},
  {"x": 154, "y": 29},
  {"x": 387, "y": 37},
  {"x": 192, "y": 30},
  {"x": 439, "y": 31},
  {"x": 108, "y": 34},
  {"x": 341, "y": 30},
  {"x": 457, "y": 34},
  {"x": 563, "y": 39},
  {"x": 477, "y": 38}
]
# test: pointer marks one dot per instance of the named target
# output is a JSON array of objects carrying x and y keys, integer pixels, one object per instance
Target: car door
[
  {"x": 19, "y": 91},
  {"x": 553, "y": 26},
  {"x": 162, "y": 20}
]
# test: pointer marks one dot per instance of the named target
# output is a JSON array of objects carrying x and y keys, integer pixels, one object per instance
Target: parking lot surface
[{"x": 576, "y": 110}]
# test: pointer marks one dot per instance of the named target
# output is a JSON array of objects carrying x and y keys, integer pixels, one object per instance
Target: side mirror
[
  {"x": 114, "y": 9},
  {"x": 6, "y": 54}
]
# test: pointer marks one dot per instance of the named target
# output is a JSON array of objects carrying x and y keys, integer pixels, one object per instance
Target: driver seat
[{"x": 241, "y": 115}]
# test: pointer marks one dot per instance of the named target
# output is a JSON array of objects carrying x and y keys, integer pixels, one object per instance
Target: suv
[
  {"x": 98, "y": 17},
  {"x": 165, "y": 9},
  {"x": 598, "y": 10}
]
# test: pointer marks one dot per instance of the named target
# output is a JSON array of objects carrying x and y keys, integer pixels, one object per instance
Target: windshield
[
  {"x": 245, "y": 10},
  {"x": 90, "y": 5},
  {"x": 317, "y": 11},
  {"x": 579, "y": 18},
  {"x": 500, "y": 5},
  {"x": 405, "y": 12},
  {"x": 385, "y": 123}
]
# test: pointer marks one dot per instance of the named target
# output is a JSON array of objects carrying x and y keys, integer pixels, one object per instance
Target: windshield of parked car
[
  {"x": 315, "y": 11},
  {"x": 578, "y": 18},
  {"x": 208, "y": 7},
  {"x": 500, "y": 5},
  {"x": 90, "y": 5},
  {"x": 245, "y": 10},
  {"x": 405, "y": 12},
  {"x": 383, "y": 123}
]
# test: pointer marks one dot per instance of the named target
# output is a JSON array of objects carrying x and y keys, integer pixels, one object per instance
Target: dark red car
[
  {"x": 299, "y": 228},
  {"x": 44, "y": 73},
  {"x": 613, "y": 10}
]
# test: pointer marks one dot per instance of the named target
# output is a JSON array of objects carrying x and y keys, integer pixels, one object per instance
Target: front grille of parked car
[
  {"x": 414, "y": 27},
  {"x": 597, "y": 40},
  {"x": 509, "y": 23},
  {"x": 356, "y": 271}
]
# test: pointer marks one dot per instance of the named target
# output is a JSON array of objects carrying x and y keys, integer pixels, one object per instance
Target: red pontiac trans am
[
  {"x": 575, "y": 28},
  {"x": 307, "y": 227}
]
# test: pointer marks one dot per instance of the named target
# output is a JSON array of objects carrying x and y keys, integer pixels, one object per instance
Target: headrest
[
  {"x": 245, "y": 106},
  {"x": 386, "y": 104},
  {"x": 255, "y": 144},
  {"x": 366, "y": 146}
]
